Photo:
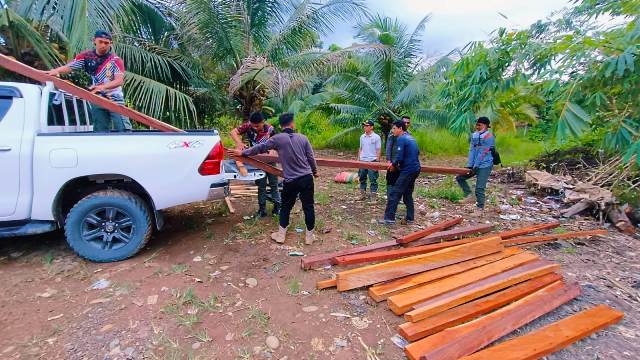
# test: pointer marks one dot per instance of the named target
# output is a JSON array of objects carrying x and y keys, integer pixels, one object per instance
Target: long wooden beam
[
  {"x": 373, "y": 274},
  {"x": 382, "y": 291},
  {"x": 471, "y": 310},
  {"x": 37, "y": 75},
  {"x": 480, "y": 288},
  {"x": 338, "y": 163},
  {"x": 553, "y": 237},
  {"x": 320, "y": 260},
  {"x": 403, "y": 302},
  {"x": 454, "y": 234},
  {"x": 456, "y": 342},
  {"x": 259, "y": 164},
  {"x": 553, "y": 337},
  {"x": 429, "y": 230}
]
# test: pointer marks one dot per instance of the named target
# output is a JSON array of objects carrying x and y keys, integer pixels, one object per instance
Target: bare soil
[{"x": 189, "y": 294}]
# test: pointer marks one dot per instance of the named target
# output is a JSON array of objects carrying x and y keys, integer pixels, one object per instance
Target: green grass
[
  {"x": 446, "y": 190},
  {"x": 179, "y": 268},
  {"x": 293, "y": 287},
  {"x": 322, "y": 198}
]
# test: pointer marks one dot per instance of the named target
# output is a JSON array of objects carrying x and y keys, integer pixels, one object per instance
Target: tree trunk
[{"x": 620, "y": 220}]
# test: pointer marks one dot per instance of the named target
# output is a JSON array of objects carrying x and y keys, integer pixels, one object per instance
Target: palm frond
[
  {"x": 21, "y": 29},
  {"x": 355, "y": 85},
  {"x": 433, "y": 117}
]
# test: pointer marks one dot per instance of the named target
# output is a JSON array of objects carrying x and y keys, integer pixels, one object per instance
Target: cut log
[
  {"x": 37, "y": 75},
  {"x": 618, "y": 217},
  {"x": 320, "y": 260},
  {"x": 553, "y": 337},
  {"x": 578, "y": 208},
  {"x": 382, "y": 291},
  {"x": 471, "y": 310},
  {"x": 403, "y": 302},
  {"x": 553, "y": 237},
  {"x": 373, "y": 274},
  {"x": 325, "y": 284},
  {"x": 428, "y": 231},
  {"x": 480, "y": 288},
  {"x": 465, "y": 339},
  {"x": 452, "y": 234}
]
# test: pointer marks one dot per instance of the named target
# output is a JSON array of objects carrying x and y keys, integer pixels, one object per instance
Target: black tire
[{"x": 108, "y": 225}]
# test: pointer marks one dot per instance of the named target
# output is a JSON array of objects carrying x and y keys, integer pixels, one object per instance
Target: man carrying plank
[
  {"x": 107, "y": 75},
  {"x": 299, "y": 167}
]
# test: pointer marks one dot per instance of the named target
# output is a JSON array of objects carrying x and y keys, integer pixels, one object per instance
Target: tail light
[{"x": 212, "y": 163}]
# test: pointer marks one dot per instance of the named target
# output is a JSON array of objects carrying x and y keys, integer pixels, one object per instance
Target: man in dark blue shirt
[{"x": 405, "y": 161}]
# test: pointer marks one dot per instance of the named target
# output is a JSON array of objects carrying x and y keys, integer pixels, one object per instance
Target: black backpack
[{"x": 496, "y": 156}]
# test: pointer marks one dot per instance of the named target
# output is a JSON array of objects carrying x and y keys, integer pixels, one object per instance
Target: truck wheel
[{"x": 108, "y": 225}]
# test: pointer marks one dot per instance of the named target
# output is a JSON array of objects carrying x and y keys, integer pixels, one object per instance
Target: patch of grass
[
  {"x": 571, "y": 250},
  {"x": 186, "y": 306},
  {"x": 559, "y": 230},
  {"x": 244, "y": 354},
  {"x": 188, "y": 319},
  {"x": 293, "y": 287},
  {"x": 493, "y": 200},
  {"x": 322, "y": 198},
  {"x": 179, "y": 268},
  {"x": 354, "y": 238},
  {"x": 513, "y": 201},
  {"x": 48, "y": 259},
  {"x": 446, "y": 190},
  {"x": 259, "y": 317},
  {"x": 202, "y": 335}
]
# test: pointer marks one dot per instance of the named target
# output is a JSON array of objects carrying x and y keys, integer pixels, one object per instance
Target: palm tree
[{"x": 267, "y": 46}]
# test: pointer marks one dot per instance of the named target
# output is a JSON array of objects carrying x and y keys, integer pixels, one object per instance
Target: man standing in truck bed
[{"x": 107, "y": 75}]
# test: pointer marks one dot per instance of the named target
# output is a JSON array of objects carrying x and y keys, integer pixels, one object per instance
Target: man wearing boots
[
  {"x": 258, "y": 131},
  {"x": 299, "y": 168},
  {"x": 370, "y": 146}
]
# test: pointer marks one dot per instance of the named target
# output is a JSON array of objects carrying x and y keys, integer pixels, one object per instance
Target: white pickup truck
[{"x": 105, "y": 189}]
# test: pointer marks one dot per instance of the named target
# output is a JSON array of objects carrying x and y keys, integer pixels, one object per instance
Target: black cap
[
  {"x": 484, "y": 120},
  {"x": 103, "y": 34},
  {"x": 256, "y": 117},
  {"x": 369, "y": 123}
]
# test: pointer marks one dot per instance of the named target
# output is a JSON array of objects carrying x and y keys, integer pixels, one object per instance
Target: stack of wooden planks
[{"x": 458, "y": 299}]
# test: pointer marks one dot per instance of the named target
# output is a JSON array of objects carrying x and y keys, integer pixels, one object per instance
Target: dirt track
[{"x": 206, "y": 308}]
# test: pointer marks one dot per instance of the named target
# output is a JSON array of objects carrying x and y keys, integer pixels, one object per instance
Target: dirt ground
[{"x": 213, "y": 286}]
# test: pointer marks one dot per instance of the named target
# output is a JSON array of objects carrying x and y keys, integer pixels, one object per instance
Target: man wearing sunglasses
[{"x": 107, "y": 75}]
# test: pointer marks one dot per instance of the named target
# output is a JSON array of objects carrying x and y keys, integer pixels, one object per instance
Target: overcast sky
[{"x": 454, "y": 22}]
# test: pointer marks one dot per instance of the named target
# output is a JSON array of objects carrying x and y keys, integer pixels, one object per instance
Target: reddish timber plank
[
  {"x": 471, "y": 310},
  {"x": 37, "y": 75},
  {"x": 382, "y": 291},
  {"x": 480, "y": 288},
  {"x": 320, "y": 260},
  {"x": 325, "y": 284},
  {"x": 250, "y": 160},
  {"x": 553, "y": 237},
  {"x": 430, "y": 230},
  {"x": 553, "y": 337},
  {"x": 403, "y": 302},
  {"x": 456, "y": 342},
  {"x": 453, "y": 234},
  {"x": 373, "y": 274}
]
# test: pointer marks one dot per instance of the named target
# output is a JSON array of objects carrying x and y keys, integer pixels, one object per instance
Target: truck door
[{"x": 11, "y": 124}]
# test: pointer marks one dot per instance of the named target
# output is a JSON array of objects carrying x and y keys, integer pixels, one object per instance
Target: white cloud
[{"x": 455, "y": 22}]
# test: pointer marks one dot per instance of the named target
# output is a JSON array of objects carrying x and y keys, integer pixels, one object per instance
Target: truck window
[{"x": 5, "y": 105}]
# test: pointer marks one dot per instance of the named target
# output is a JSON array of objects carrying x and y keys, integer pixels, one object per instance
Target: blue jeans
[
  {"x": 481, "y": 183},
  {"x": 103, "y": 120},
  {"x": 272, "y": 180},
  {"x": 373, "y": 179},
  {"x": 403, "y": 188}
]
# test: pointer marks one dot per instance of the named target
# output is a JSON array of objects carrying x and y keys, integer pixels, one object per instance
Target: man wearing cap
[
  {"x": 299, "y": 168},
  {"x": 480, "y": 162},
  {"x": 257, "y": 132},
  {"x": 390, "y": 152},
  {"x": 406, "y": 162},
  {"x": 107, "y": 75},
  {"x": 370, "y": 146}
]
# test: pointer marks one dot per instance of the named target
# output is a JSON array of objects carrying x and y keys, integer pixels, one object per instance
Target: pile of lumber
[
  {"x": 459, "y": 299},
  {"x": 437, "y": 237}
]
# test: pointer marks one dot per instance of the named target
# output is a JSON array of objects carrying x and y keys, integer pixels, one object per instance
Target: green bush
[{"x": 447, "y": 190}]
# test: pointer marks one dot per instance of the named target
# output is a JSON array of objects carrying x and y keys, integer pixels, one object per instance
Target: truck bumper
[{"x": 218, "y": 191}]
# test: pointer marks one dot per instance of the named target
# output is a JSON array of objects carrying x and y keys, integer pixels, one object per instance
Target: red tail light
[{"x": 211, "y": 165}]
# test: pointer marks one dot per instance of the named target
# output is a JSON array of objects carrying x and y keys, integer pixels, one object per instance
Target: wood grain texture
[
  {"x": 373, "y": 274},
  {"x": 429, "y": 230},
  {"x": 471, "y": 310},
  {"x": 37, "y": 75},
  {"x": 325, "y": 284},
  {"x": 553, "y": 237},
  {"x": 453, "y": 234},
  {"x": 553, "y": 337},
  {"x": 403, "y": 302},
  {"x": 382, "y": 291},
  {"x": 456, "y": 342},
  {"x": 480, "y": 288},
  {"x": 320, "y": 260}
]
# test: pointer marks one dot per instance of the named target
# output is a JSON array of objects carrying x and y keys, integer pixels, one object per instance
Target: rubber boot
[
  {"x": 280, "y": 235},
  {"x": 309, "y": 237}
]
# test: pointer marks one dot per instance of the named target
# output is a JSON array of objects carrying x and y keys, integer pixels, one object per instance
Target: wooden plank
[
  {"x": 553, "y": 337},
  {"x": 479, "y": 289},
  {"x": 325, "y": 284},
  {"x": 428, "y": 231},
  {"x": 338, "y": 163},
  {"x": 553, "y": 237},
  {"x": 452, "y": 234},
  {"x": 471, "y": 310},
  {"x": 373, "y": 274},
  {"x": 456, "y": 342},
  {"x": 37, "y": 75},
  {"x": 232, "y": 210},
  {"x": 403, "y": 302},
  {"x": 382, "y": 291},
  {"x": 249, "y": 160},
  {"x": 398, "y": 253},
  {"x": 528, "y": 230},
  {"x": 320, "y": 260}
]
